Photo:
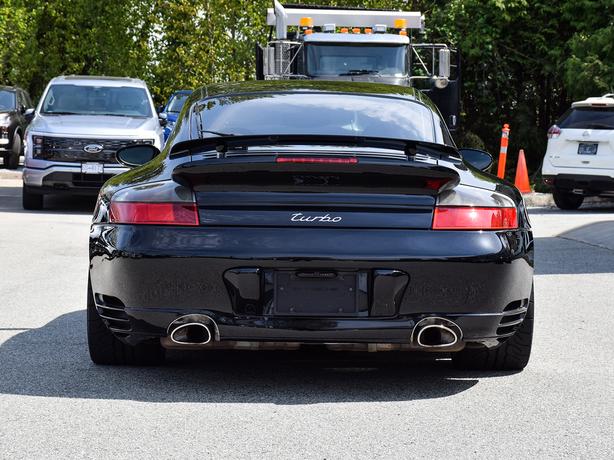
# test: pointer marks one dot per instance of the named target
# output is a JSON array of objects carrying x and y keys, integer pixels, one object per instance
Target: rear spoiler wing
[
  {"x": 222, "y": 144},
  {"x": 221, "y": 172}
]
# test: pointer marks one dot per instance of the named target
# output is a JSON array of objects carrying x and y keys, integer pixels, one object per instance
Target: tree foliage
[{"x": 524, "y": 61}]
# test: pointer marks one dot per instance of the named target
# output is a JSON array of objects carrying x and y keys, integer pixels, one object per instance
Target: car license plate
[
  {"x": 319, "y": 295},
  {"x": 587, "y": 149},
  {"x": 92, "y": 168}
]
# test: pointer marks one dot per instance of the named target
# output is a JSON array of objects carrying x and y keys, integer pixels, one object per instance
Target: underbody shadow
[
  {"x": 10, "y": 201},
  {"x": 53, "y": 361}
]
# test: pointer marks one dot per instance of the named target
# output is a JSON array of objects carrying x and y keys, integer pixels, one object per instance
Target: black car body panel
[
  {"x": 370, "y": 231},
  {"x": 159, "y": 274}
]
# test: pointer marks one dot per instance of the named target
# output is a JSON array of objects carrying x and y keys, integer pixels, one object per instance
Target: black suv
[{"x": 14, "y": 102}]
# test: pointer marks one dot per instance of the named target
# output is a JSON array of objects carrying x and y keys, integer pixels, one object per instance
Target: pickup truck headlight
[{"x": 38, "y": 151}]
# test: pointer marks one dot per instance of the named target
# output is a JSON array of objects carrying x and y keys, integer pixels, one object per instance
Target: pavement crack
[{"x": 594, "y": 245}]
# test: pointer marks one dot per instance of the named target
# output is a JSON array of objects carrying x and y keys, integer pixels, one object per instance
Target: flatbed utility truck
[{"x": 322, "y": 43}]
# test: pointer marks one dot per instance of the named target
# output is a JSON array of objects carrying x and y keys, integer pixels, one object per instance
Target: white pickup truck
[{"x": 79, "y": 124}]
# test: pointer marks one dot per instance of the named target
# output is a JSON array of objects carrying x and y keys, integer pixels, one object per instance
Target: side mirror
[
  {"x": 163, "y": 119},
  {"x": 477, "y": 158},
  {"x": 22, "y": 109},
  {"x": 29, "y": 114},
  {"x": 136, "y": 155},
  {"x": 442, "y": 79},
  {"x": 444, "y": 63}
]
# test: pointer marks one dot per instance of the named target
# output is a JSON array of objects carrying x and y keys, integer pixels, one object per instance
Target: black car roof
[{"x": 272, "y": 86}]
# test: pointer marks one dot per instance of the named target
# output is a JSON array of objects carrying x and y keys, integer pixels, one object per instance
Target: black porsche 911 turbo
[{"x": 289, "y": 213}]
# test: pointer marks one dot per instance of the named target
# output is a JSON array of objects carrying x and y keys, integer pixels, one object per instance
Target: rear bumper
[
  {"x": 67, "y": 179},
  {"x": 146, "y": 277},
  {"x": 581, "y": 183},
  {"x": 487, "y": 329}
]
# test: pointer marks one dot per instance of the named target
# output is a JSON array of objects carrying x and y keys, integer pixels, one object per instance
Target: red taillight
[
  {"x": 154, "y": 213},
  {"x": 470, "y": 218},
  {"x": 436, "y": 184},
  {"x": 554, "y": 132},
  {"x": 350, "y": 160}
]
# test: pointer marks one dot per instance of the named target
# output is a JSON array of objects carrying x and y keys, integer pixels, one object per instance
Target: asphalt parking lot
[{"x": 55, "y": 403}]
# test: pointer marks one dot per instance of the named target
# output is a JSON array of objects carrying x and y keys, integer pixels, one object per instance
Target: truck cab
[{"x": 360, "y": 45}]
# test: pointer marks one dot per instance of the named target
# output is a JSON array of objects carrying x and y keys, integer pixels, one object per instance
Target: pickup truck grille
[{"x": 71, "y": 149}]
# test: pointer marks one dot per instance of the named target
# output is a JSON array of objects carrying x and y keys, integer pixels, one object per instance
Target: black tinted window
[
  {"x": 318, "y": 113},
  {"x": 588, "y": 118},
  {"x": 27, "y": 100},
  {"x": 21, "y": 99}
]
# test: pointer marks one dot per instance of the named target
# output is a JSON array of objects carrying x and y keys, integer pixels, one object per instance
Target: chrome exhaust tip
[
  {"x": 191, "y": 331},
  {"x": 436, "y": 336},
  {"x": 435, "y": 332},
  {"x": 191, "y": 334}
]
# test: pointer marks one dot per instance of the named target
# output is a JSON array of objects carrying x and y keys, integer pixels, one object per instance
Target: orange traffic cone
[{"x": 522, "y": 175}]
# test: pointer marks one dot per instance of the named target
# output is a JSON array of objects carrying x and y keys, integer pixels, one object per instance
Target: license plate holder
[
  {"x": 92, "y": 168},
  {"x": 319, "y": 293},
  {"x": 588, "y": 149}
]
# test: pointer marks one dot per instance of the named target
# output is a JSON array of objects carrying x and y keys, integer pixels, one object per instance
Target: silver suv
[{"x": 79, "y": 124}]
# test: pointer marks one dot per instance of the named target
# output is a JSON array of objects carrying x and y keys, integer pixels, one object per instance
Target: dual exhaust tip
[{"x": 429, "y": 333}]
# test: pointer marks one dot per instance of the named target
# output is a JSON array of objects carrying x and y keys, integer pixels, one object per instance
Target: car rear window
[
  {"x": 317, "y": 114},
  {"x": 588, "y": 118}
]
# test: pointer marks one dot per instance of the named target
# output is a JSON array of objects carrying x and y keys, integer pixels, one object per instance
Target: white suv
[
  {"x": 579, "y": 160},
  {"x": 79, "y": 124}
]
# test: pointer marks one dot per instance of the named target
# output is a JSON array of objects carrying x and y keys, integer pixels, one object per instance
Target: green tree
[
  {"x": 44, "y": 39},
  {"x": 199, "y": 42},
  {"x": 589, "y": 68},
  {"x": 524, "y": 61}
]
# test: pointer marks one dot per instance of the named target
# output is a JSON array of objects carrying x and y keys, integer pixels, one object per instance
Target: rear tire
[
  {"x": 107, "y": 349},
  {"x": 31, "y": 201},
  {"x": 513, "y": 355},
  {"x": 567, "y": 200},
  {"x": 11, "y": 159}
]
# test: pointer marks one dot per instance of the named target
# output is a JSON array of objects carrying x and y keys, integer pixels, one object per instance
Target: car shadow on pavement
[
  {"x": 53, "y": 361},
  {"x": 10, "y": 201}
]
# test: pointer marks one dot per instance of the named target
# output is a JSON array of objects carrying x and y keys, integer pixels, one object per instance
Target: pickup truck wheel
[
  {"x": 31, "y": 201},
  {"x": 512, "y": 355},
  {"x": 107, "y": 349},
  {"x": 11, "y": 159},
  {"x": 567, "y": 200}
]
